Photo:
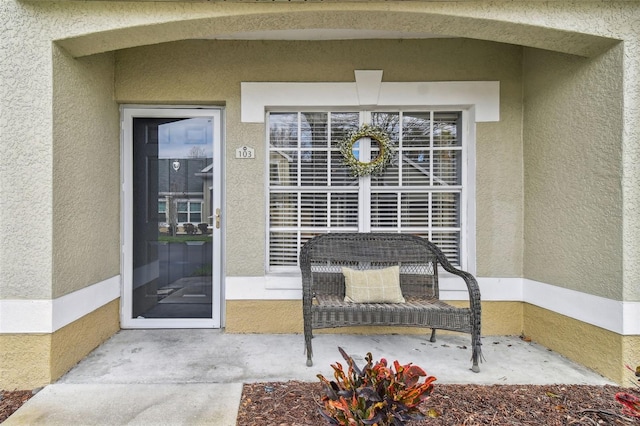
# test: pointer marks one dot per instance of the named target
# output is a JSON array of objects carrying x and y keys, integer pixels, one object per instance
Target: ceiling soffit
[{"x": 333, "y": 25}]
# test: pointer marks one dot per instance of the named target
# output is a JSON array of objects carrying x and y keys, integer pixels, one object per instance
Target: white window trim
[
  {"x": 366, "y": 189},
  {"x": 479, "y": 101},
  {"x": 369, "y": 90}
]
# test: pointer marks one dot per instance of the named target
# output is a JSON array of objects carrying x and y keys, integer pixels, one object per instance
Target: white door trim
[{"x": 127, "y": 113}]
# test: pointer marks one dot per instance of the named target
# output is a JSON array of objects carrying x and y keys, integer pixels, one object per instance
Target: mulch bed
[
  {"x": 11, "y": 401},
  {"x": 296, "y": 404}
]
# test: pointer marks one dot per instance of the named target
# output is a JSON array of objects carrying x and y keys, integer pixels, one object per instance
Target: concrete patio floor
[{"x": 195, "y": 377}]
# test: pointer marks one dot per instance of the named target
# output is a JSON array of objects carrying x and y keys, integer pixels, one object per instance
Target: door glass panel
[{"x": 172, "y": 218}]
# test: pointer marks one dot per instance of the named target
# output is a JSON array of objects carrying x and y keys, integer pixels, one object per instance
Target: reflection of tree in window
[
  {"x": 196, "y": 152},
  {"x": 389, "y": 123}
]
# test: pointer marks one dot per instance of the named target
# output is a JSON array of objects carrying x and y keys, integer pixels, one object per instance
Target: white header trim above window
[
  {"x": 368, "y": 85},
  {"x": 483, "y": 96}
]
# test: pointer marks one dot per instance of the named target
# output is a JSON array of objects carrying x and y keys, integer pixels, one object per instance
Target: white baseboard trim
[
  {"x": 268, "y": 287},
  {"x": 613, "y": 315},
  {"x": 283, "y": 287},
  {"x": 48, "y": 316}
]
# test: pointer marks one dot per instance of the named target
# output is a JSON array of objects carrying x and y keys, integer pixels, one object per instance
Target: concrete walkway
[{"x": 195, "y": 377}]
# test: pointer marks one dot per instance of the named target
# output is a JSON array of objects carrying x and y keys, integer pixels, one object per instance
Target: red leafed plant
[
  {"x": 630, "y": 402},
  {"x": 376, "y": 394}
]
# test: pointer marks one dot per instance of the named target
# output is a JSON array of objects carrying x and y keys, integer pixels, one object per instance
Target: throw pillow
[{"x": 373, "y": 285}]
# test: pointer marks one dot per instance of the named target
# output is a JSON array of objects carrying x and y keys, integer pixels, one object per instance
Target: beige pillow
[{"x": 373, "y": 285}]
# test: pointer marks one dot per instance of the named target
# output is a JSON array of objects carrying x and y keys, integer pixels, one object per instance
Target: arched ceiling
[{"x": 337, "y": 24}]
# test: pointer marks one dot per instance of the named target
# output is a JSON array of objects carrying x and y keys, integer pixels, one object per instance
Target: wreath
[{"x": 377, "y": 165}]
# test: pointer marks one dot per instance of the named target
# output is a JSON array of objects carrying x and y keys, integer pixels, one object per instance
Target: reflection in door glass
[{"x": 172, "y": 218}]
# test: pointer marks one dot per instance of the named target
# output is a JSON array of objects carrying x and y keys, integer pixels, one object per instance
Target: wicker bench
[{"x": 322, "y": 260}]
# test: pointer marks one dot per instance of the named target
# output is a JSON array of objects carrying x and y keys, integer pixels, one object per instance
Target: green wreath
[{"x": 377, "y": 165}]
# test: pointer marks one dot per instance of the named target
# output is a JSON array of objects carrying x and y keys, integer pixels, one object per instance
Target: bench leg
[
  {"x": 308, "y": 351},
  {"x": 308, "y": 335},
  {"x": 476, "y": 356},
  {"x": 433, "y": 335}
]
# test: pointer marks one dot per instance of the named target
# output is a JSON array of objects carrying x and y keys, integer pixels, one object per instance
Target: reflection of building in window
[
  {"x": 207, "y": 193},
  {"x": 183, "y": 212},
  {"x": 279, "y": 168},
  {"x": 312, "y": 192},
  {"x": 184, "y": 195},
  {"x": 189, "y": 211},
  {"x": 162, "y": 211}
]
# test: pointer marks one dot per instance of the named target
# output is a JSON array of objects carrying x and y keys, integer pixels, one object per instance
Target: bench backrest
[{"x": 322, "y": 258}]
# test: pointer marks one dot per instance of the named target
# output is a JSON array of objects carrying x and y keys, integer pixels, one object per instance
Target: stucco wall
[
  {"x": 86, "y": 172},
  {"x": 75, "y": 341},
  {"x": 29, "y": 361},
  {"x": 599, "y": 349},
  {"x": 579, "y": 28},
  {"x": 37, "y": 252},
  {"x": 285, "y": 316},
  {"x": 25, "y": 360},
  {"x": 25, "y": 147},
  {"x": 82, "y": 28},
  {"x": 211, "y": 72},
  {"x": 573, "y": 170}
]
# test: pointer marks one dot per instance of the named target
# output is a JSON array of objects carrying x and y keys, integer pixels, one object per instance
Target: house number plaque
[{"x": 245, "y": 152}]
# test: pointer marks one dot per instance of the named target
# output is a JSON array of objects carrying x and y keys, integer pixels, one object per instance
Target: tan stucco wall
[
  {"x": 586, "y": 28},
  {"x": 24, "y": 361},
  {"x": 25, "y": 132},
  {"x": 34, "y": 130},
  {"x": 573, "y": 113},
  {"x": 28, "y": 361},
  {"x": 285, "y": 316},
  {"x": 264, "y": 316},
  {"x": 73, "y": 342},
  {"x": 211, "y": 72},
  {"x": 86, "y": 172},
  {"x": 631, "y": 358},
  {"x": 601, "y": 350}
]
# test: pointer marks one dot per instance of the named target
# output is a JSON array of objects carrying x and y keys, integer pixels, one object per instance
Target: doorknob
[{"x": 217, "y": 218}]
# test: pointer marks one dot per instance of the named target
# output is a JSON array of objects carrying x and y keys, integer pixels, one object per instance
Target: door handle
[{"x": 217, "y": 218}]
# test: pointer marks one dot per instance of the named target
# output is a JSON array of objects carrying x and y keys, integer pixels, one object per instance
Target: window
[
  {"x": 312, "y": 192},
  {"x": 162, "y": 211},
  {"x": 189, "y": 211}
]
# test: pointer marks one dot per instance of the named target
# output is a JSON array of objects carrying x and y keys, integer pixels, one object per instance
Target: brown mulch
[
  {"x": 296, "y": 404},
  {"x": 11, "y": 401}
]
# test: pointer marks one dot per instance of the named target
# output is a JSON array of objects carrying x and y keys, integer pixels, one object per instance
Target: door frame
[{"x": 127, "y": 113}]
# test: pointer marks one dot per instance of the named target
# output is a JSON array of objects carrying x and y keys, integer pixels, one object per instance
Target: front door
[{"x": 172, "y": 218}]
